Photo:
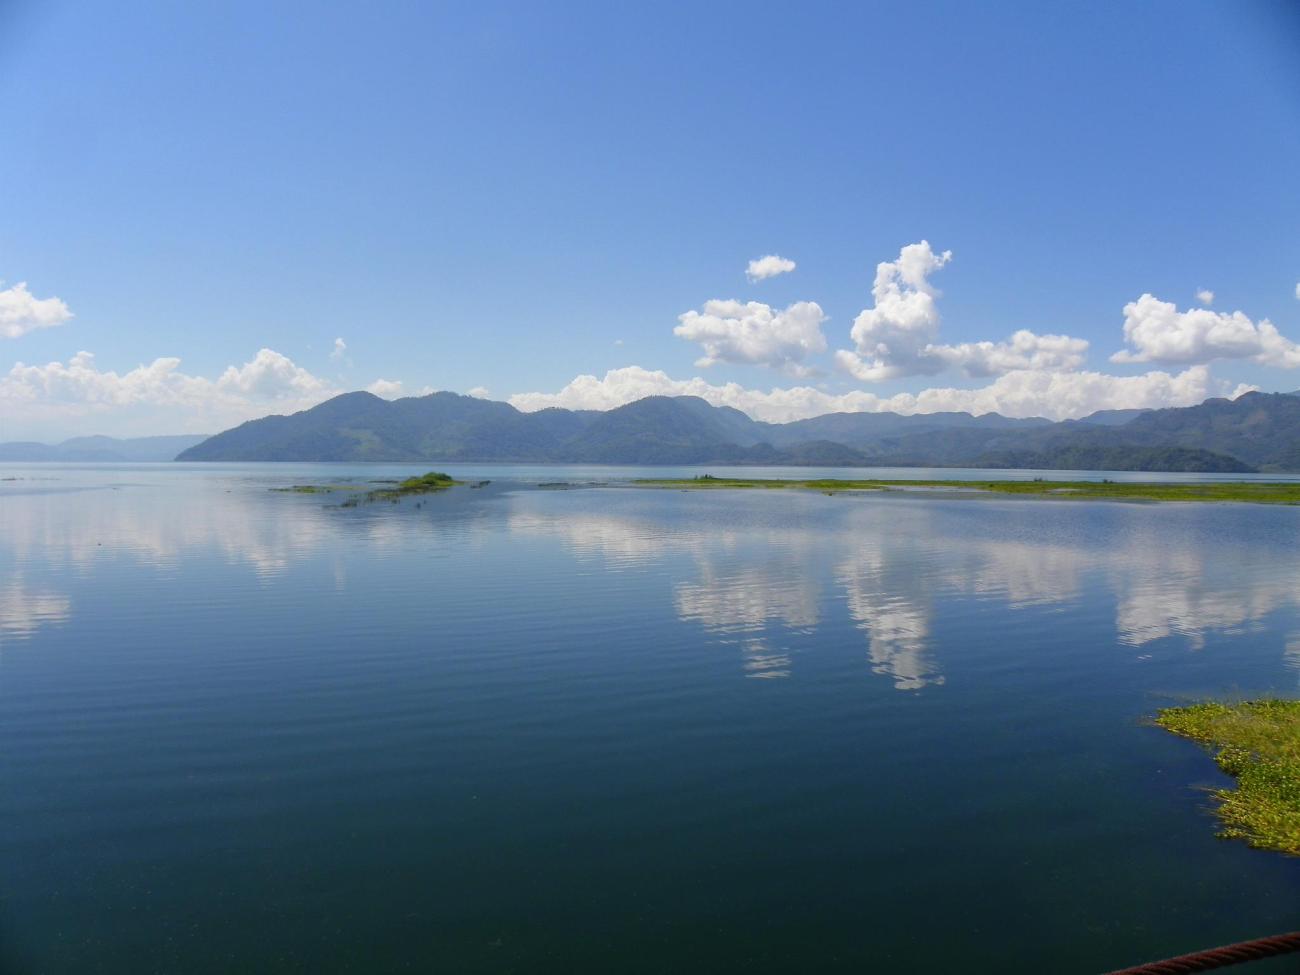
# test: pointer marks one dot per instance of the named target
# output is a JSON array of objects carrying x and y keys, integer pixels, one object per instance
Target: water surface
[{"x": 611, "y": 729}]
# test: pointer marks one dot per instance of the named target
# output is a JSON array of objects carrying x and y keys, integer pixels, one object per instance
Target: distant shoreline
[{"x": 1243, "y": 492}]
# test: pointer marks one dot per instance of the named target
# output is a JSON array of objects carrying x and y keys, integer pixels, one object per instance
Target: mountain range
[
  {"x": 1256, "y": 431},
  {"x": 80, "y": 449}
]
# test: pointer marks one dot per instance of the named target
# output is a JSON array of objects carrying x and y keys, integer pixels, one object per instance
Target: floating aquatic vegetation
[{"x": 1259, "y": 746}]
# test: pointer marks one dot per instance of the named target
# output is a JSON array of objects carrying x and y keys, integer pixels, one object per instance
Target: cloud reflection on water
[
  {"x": 161, "y": 527},
  {"x": 760, "y": 574},
  {"x": 891, "y": 562},
  {"x": 24, "y": 610}
]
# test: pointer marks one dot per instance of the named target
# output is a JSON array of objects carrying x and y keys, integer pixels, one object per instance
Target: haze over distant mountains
[
  {"x": 1255, "y": 431},
  {"x": 80, "y": 449}
]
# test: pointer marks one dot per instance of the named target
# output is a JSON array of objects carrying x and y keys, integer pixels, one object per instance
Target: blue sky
[{"x": 507, "y": 197}]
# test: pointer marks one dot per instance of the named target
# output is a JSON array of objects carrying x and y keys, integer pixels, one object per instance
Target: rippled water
[{"x": 612, "y": 729}]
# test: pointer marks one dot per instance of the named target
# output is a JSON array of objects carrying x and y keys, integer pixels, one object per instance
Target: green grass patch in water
[
  {"x": 317, "y": 488},
  {"x": 433, "y": 481},
  {"x": 424, "y": 484},
  {"x": 1254, "y": 492},
  {"x": 1259, "y": 746}
]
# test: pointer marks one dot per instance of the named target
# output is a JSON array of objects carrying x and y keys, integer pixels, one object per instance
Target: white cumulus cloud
[
  {"x": 1024, "y": 350},
  {"x": 897, "y": 336},
  {"x": 1205, "y": 296},
  {"x": 479, "y": 392},
  {"x": 1020, "y": 393},
  {"x": 154, "y": 397},
  {"x": 386, "y": 388},
  {"x": 1158, "y": 332},
  {"x": 755, "y": 333},
  {"x": 270, "y": 375},
  {"x": 79, "y": 384},
  {"x": 769, "y": 266},
  {"x": 891, "y": 337},
  {"x": 340, "y": 348},
  {"x": 22, "y": 312}
]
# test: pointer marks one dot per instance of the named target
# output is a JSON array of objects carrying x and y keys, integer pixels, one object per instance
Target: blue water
[{"x": 614, "y": 729}]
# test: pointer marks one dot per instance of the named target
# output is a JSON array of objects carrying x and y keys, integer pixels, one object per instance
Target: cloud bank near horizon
[
  {"x": 1019, "y": 393},
  {"x": 270, "y": 382},
  {"x": 897, "y": 337}
]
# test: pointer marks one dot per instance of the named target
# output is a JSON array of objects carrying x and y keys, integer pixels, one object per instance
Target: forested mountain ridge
[{"x": 1257, "y": 430}]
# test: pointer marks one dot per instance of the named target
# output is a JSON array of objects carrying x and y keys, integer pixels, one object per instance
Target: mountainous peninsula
[{"x": 1257, "y": 431}]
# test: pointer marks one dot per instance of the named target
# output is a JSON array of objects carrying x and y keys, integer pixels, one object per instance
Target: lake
[{"x": 612, "y": 729}]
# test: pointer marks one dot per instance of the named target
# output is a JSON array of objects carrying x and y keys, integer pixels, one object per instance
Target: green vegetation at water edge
[
  {"x": 1259, "y": 746},
  {"x": 1252, "y": 492}
]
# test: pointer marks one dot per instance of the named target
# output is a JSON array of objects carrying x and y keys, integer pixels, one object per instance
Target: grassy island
[
  {"x": 433, "y": 481},
  {"x": 391, "y": 491},
  {"x": 1259, "y": 745},
  {"x": 1256, "y": 492},
  {"x": 424, "y": 484}
]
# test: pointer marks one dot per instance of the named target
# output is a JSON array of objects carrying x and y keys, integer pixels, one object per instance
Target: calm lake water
[{"x": 619, "y": 730}]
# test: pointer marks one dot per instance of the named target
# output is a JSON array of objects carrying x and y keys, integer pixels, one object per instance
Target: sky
[{"x": 215, "y": 211}]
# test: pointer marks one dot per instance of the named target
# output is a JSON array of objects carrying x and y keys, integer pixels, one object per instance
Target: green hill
[{"x": 1217, "y": 436}]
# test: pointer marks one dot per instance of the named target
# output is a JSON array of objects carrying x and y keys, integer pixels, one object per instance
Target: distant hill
[
  {"x": 111, "y": 449},
  {"x": 1217, "y": 436},
  {"x": 1078, "y": 457},
  {"x": 1254, "y": 431},
  {"x": 1261, "y": 429},
  {"x": 448, "y": 427},
  {"x": 868, "y": 431}
]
